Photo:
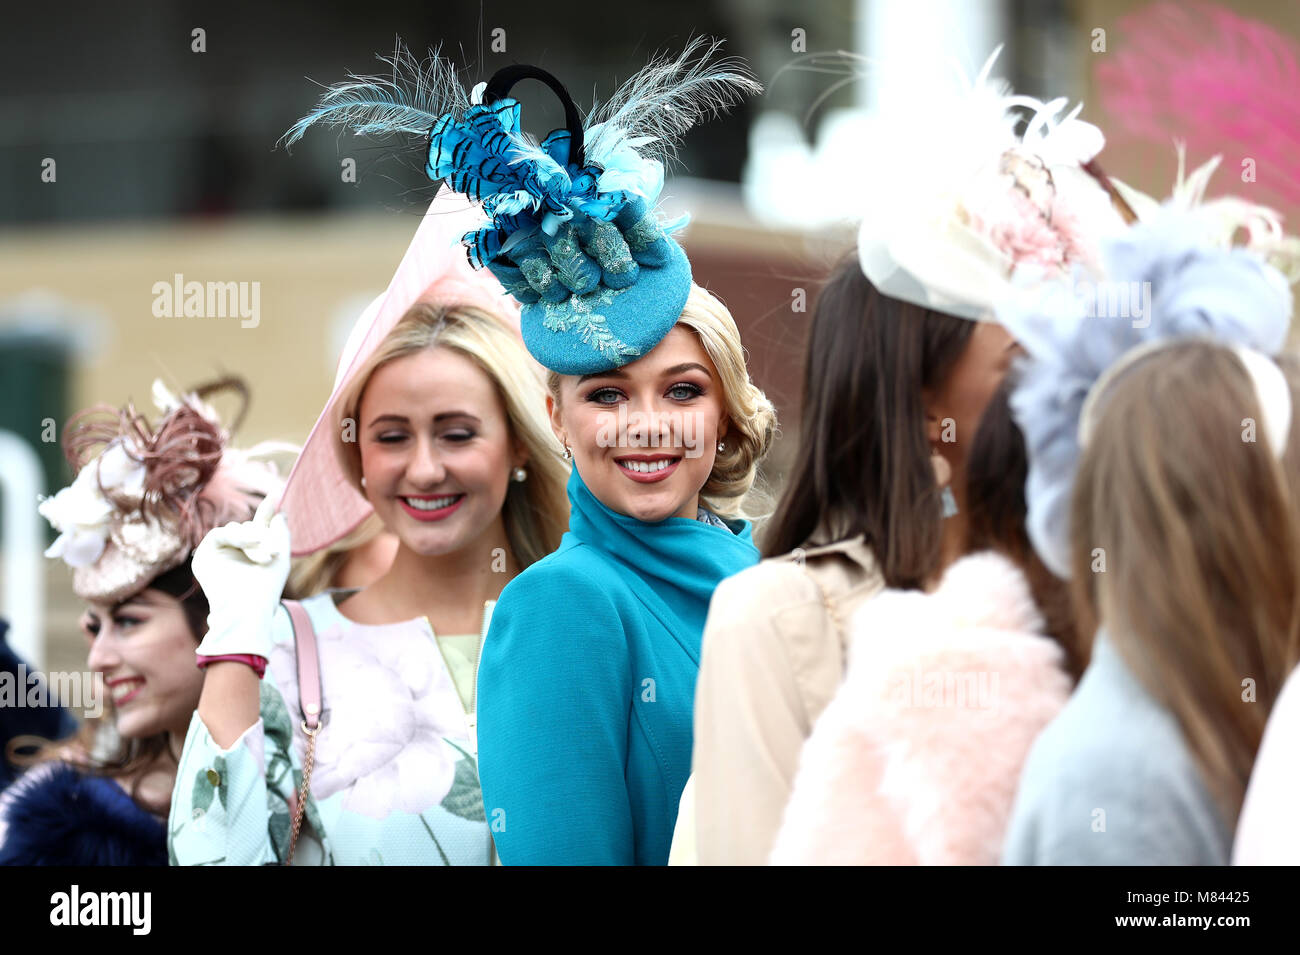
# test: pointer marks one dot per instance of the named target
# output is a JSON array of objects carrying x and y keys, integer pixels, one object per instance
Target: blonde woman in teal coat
[{"x": 587, "y": 680}]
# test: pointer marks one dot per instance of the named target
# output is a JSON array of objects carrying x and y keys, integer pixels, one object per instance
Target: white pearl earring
[
  {"x": 363, "y": 482},
  {"x": 721, "y": 446},
  {"x": 520, "y": 475}
]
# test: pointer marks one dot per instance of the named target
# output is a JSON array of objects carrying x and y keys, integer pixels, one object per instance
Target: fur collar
[
  {"x": 917, "y": 757},
  {"x": 984, "y": 590},
  {"x": 56, "y": 815}
]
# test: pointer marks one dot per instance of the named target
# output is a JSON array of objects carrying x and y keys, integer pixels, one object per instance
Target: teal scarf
[{"x": 679, "y": 560}]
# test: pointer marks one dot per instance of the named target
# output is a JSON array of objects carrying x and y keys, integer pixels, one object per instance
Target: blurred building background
[{"x": 128, "y": 157}]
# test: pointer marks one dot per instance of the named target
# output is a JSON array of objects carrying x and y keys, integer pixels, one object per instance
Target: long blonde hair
[
  {"x": 1197, "y": 525},
  {"x": 319, "y": 571},
  {"x": 536, "y": 511},
  {"x": 752, "y": 416}
]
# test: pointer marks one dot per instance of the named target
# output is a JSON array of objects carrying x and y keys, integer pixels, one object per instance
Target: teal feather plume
[
  {"x": 665, "y": 99},
  {"x": 410, "y": 101}
]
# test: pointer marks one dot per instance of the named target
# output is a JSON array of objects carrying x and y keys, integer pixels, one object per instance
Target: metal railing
[{"x": 23, "y": 587}]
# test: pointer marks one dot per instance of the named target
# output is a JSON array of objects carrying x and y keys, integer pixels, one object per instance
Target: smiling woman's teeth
[
  {"x": 647, "y": 466},
  {"x": 435, "y": 504},
  {"x": 125, "y": 688}
]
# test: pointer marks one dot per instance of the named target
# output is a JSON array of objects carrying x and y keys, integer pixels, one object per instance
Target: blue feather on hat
[{"x": 574, "y": 235}]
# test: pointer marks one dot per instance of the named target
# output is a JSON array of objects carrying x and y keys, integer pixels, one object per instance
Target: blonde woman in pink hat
[{"x": 436, "y": 426}]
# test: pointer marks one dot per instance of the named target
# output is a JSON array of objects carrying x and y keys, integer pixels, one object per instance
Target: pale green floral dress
[{"x": 395, "y": 779}]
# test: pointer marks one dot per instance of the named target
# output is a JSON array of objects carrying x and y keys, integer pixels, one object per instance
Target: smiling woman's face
[
  {"x": 436, "y": 450},
  {"x": 644, "y": 436},
  {"x": 144, "y": 650}
]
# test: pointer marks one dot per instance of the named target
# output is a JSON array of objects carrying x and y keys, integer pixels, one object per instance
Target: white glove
[{"x": 242, "y": 568}]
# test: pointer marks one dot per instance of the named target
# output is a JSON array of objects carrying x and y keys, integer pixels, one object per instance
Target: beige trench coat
[{"x": 772, "y": 658}]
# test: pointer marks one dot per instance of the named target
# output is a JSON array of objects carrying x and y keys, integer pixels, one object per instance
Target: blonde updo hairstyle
[
  {"x": 536, "y": 511},
  {"x": 751, "y": 415}
]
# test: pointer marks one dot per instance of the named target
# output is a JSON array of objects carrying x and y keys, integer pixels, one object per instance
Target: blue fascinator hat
[{"x": 571, "y": 232}]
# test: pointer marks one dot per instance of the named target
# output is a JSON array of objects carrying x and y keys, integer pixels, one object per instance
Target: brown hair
[
  {"x": 1196, "y": 523},
  {"x": 863, "y": 464},
  {"x": 129, "y": 757},
  {"x": 996, "y": 469}
]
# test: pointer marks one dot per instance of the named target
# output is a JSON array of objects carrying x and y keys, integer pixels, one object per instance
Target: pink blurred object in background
[
  {"x": 319, "y": 502},
  {"x": 1220, "y": 82}
]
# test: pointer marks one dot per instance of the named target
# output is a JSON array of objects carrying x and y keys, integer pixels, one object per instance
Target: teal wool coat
[{"x": 586, "y": 686}]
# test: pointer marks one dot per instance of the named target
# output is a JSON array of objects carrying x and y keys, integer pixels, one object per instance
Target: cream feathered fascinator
[
  {"x": 1224, "y": 222},
  {"x": 1210, "y": 269},
  {"x": 960, "y": 207},
  {"x": 144, "y": 495}
]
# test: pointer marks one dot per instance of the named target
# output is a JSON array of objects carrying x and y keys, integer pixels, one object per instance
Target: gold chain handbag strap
[
  {"x": 309, "y": 699},
  {"x": 302, "y": 792}
]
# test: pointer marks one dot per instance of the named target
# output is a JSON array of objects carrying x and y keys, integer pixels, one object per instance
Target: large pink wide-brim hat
[{"x": 319, "y": 501}]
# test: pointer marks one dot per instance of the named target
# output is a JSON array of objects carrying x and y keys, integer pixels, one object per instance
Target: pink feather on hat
[
  {"x": 144, "y": 495},
  {"x": 320, "y": 503}
]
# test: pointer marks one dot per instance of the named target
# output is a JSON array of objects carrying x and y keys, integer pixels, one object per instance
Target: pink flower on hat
[{"x": 1048, "y": 236}]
